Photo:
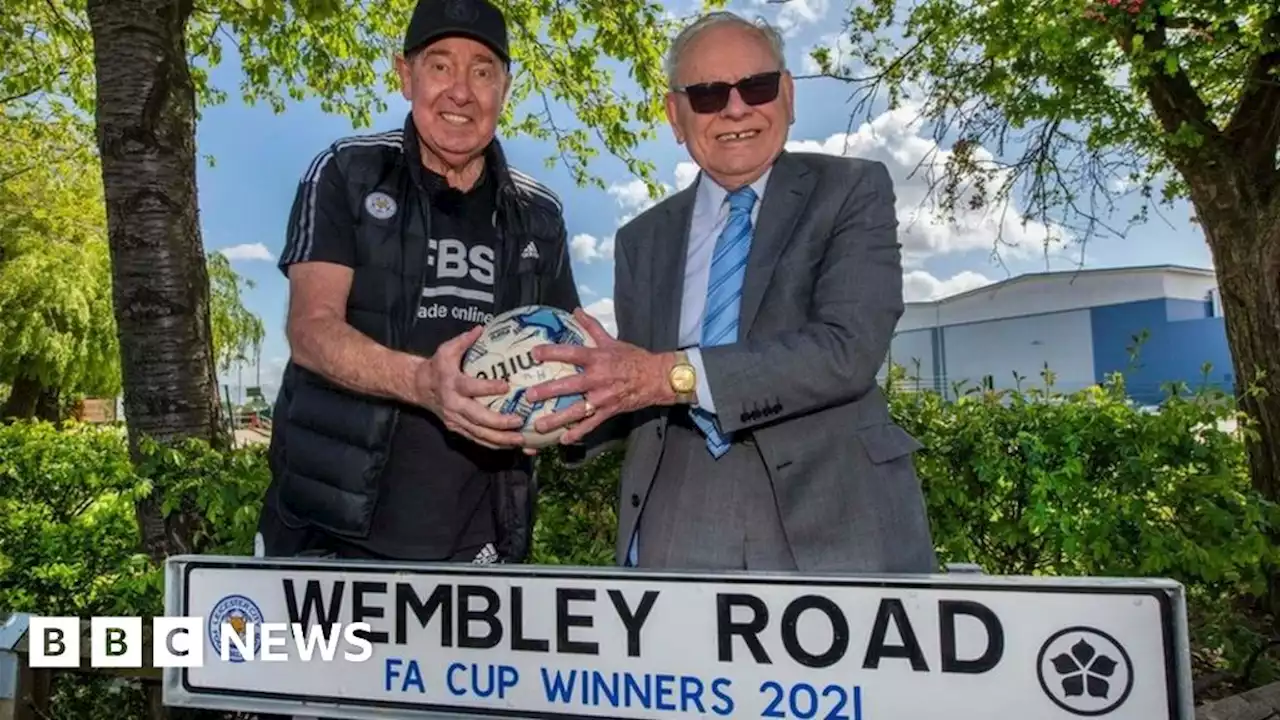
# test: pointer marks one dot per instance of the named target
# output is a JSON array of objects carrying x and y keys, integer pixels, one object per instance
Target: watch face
[{"x": 682, "y": 379}]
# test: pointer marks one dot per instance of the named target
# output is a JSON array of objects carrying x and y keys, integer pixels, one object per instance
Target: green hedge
[{"x": 1022, "y": 483}]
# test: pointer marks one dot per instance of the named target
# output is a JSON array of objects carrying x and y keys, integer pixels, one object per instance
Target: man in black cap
[{"x": 400, "y": 246}]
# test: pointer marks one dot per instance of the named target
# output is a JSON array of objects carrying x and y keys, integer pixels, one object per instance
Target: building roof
[
  {"x": 1057, "y": 274},
  {"x": 1061, "y": 291}
]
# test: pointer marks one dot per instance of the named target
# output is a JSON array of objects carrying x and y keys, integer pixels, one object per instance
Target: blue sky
[{"x": 245, "y": 198}]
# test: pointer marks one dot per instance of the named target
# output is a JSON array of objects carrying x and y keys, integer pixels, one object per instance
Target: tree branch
[
  {"x": 18, "y": 96},
  {"x": 1191, "y": 23},
  {"x": 1255, "y": 126},
  {"x": 16, "y": 174},
  {"x": 75, "y": 31},
  {"x": 1173, "y": 98},
  {"x": 41, "y": 86}
]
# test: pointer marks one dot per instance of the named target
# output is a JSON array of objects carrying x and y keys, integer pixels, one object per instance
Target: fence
[{"x": 25, "y": 691}]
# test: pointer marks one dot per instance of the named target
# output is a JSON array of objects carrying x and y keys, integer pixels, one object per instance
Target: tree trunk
[
  {"x": 49, "y": 405},
  {"x": 1243, "y": 233},
  {"x": 146, "y": 136},
  {"x": 28, "y": 399},
  {"x": 23, "y": 396}
]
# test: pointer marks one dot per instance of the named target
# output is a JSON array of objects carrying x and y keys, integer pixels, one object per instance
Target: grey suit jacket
[{"x": 821, "y": 298}]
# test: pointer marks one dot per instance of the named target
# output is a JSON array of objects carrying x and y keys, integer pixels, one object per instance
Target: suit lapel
[
  {"x": 785, "y": 197},
  {"x": 669, "y": 249}
]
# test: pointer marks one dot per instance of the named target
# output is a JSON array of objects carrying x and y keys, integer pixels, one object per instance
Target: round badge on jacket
[{"x": 379, "y": 205}]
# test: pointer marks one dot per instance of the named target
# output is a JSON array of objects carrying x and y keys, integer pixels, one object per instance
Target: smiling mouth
[
  {"x": 454, "y": 119},
  {"x": 731, "y": 137}
]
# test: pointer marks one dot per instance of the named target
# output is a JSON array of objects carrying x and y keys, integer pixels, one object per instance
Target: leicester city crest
[
  {"x": 236, "y": 612},
  {"x": 379, "y": 205}
]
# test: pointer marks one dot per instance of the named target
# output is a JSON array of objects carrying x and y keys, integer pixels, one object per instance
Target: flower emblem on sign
[{"x": 1085, "y": 671}]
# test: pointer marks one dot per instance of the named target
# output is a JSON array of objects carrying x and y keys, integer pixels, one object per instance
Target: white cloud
[
  {"x": 586, "y": 290},
  {"x": 920, "y": 286},
  {"x": 837, "y": 44},
  {"x": 587, "y": 248},
  {"x": 247, "y": 251},
  {"x": 633, "y": 198},
  {"x": 794, "y": 15},
  {"x": 915, "y": 162},
  {"x": 602, "y": 311},
  {"x": 686, "y": 173}
]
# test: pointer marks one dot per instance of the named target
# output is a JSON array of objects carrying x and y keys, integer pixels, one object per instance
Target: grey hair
[{"x": 771, "y": 36}]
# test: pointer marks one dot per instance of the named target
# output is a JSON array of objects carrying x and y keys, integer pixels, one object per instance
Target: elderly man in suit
[{"x": 754, "y": 310}]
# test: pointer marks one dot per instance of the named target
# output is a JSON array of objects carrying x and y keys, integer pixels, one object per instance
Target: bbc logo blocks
[
  {"x": 177, "y": 642},
  {"x": 54, "y": 642}
]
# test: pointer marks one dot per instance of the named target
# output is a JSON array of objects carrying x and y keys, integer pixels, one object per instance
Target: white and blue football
[{"x": 504, "y": 351}]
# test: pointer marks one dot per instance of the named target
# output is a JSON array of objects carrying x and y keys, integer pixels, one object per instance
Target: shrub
[
  {"x": 576, "y": 519},
  {"x": 1038, "y": 482},
  {"x": 67, "y": 531}
]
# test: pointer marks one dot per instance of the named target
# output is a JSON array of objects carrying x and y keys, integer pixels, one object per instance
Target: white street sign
[{"x": 530, "y": 641}]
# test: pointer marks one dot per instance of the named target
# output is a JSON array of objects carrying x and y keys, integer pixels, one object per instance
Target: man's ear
[
  {"x": 789, "y": 94},
  {"x": 405, "y": 70},
  {"x": 673, "y": 115}
]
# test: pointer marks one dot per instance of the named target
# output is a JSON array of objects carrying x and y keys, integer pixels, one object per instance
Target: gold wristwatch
[{"x": 683, "y": 379}]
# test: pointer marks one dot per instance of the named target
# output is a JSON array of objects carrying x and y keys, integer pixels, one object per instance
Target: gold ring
[{"x": 589, "y": 408}]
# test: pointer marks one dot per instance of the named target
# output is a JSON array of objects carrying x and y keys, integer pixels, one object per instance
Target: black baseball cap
[{"x": 479, "y": 20}]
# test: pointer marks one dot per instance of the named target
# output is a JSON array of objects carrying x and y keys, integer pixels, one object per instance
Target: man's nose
[
  {"x": 736, "y": 108},
  {"x": 459, "y": 89}
]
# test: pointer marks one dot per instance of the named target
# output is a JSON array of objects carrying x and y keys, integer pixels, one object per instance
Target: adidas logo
[
  {"x": 487, "y": 556},
  {"x": 530, "y": 251}
]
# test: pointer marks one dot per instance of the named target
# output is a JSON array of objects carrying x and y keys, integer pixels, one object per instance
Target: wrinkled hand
[
  {"x": 451, "y": 394},
  {"x": 617, "y": 378}
]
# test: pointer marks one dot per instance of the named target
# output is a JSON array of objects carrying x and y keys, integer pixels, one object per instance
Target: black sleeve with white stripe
[
  {"x": 321, "y": 228},
  {"x": 562, "y": 291}
]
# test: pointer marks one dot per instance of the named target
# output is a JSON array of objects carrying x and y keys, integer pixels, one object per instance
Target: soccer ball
[{"x": 504, "y": 351}]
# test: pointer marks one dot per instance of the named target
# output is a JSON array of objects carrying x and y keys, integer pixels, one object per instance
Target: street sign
[{"x": 554, "y": 642}]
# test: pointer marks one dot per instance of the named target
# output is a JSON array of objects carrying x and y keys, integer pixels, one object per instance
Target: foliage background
[
  {"x": 57, "y": 316},
  {"x": 1035, "y": 482}
]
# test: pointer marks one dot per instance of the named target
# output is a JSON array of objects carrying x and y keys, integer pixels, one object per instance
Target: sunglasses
[{"x": 712, "y": 97}]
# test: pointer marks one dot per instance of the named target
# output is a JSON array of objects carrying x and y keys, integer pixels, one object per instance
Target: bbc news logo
[
  {"x": 235, "y": 632},
  {"x": 117, "y": 642}
]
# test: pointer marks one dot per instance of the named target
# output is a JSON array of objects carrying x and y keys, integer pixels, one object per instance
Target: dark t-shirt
[{"x": 434, "y": 500}]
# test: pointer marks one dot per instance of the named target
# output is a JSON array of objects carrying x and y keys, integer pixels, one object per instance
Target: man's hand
[
  {"x": 448, "y": 392},
  {"x": 617, "y": 378}
]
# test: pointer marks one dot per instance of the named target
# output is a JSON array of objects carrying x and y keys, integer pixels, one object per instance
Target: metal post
[{"x": 13, "y": 681}]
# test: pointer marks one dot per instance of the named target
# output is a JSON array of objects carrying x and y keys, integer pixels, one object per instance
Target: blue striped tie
[{"x": 724, "y": 293}]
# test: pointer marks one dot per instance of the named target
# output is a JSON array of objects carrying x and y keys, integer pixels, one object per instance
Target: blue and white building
[{"x": 1082, "y": 324}]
